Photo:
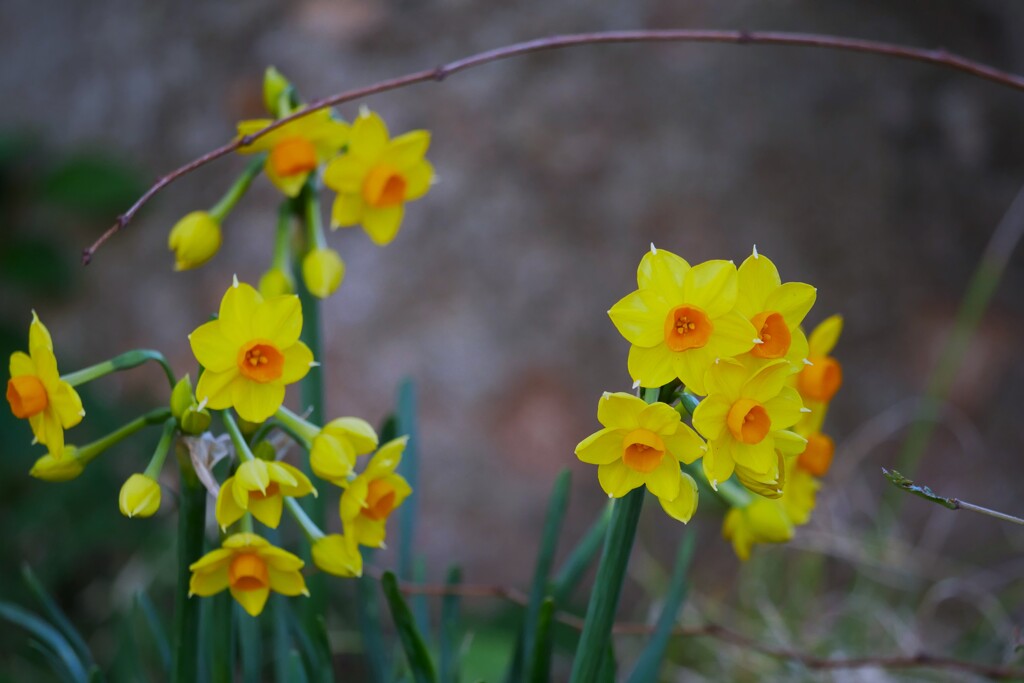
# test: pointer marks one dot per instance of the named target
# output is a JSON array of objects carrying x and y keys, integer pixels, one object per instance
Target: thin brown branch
[
  {"x": 721, "y": 633},
  {"x": 936, "y": 57}
]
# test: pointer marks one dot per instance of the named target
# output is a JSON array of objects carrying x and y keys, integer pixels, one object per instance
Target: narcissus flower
[
  {"x": 322, "y": 271},
  {"x": 336, "y": 447},
  {"x": 642, "y": 445},
  {"x": 775, "y": 309},
  {"x": 816, "y": 458},
  {"x": 745, "y": 418},
  {"x": 250, "y": 567},
  {"x": 820, "y": 380},
  {"x": 276, "y": 282},
  {"x": 296, "y": 148},
  {"x": 140, "y": 496},
  {"x": 370, "y": 498},
  {"x": 259, "y": 487},
  {"x": 63, "y": 467},
  {"x": 338, "y": 555},
  {"x": 250, "y": 353},
  {"x": 762, "y": 521},
  {"x": 194, "y": 240},
  {"x": 681, "y": 319},
  {"x": 799, "y": 498},
  {"x": 36, "y": 392},
  {"x": 377, "y": 176}
]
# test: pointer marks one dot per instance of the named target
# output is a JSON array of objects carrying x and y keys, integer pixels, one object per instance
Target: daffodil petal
[
  {"x": 757, "y": 278},
  {"x": 406, "y": 150},
  {"x": 712, "y": 286},
  {"x": 640, "y": 317},
  {"x": 215, "y": 388},
  {"x": 356, "y": 430},
  {"x": 663, "y": 272},
  {"x": 685, "y": 446},
  {"x": 252, "y": 601},
  {"x": 256, "y": 402},
  {"x": 418, "y": 180},
  {"x": 382, "y": 224},
  {"x": 620, "y": 410},
  {"x": 279, "y": 320},
  {"x": 600, "y": 447},
  {"x": 684, "y": 504},
  {"x": 21, "y": 364},
  {"x": 228, "y": 511},
  {"x": 267, "y": 509},
  {"x": 792, "y": 301},
  {"x": 784, "y": 409},
  {"x": 664, "y": 480},
  {"x": 346, "y": 174},
  {"x": 212, "y": 348},
  {"x": 205, "y": 584},
  {"x": 236, "y": 311},
  {"x": 617, "y": 479},
  {"x": 287, "y": 583},
  {"x": 710, "y": 415},
  {"x": 652, "y": 367},
  {"x": 369, "y": 136},
  {"x": 824, "y": 337},
  {"x": 718, "y": 465}
]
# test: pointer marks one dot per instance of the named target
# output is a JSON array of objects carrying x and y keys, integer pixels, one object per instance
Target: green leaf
[
  {"x": 250, "y": 646},
  {"x": 92, "y": 184},
  {"x": 406, "y": 413},
  {"x": 412, "y": 642},
  {"x": 901, "y": 482},
  {"x": 57, "y": 616},
  {"x": 50, "y": 638},
  {"x": 368, "y": 612},
  {"x": 296, "y": 671},
  {"x": 540, "y": 667},
  {"x": 220, "y": 635},
  {"x": 156, "y": 628},
  {"x": 420, "y": 608},
  {"x": 191, "y": 536},
  {"x": 580, "y": 557},
  {"x": 649, "y": 663},
  {"x": 450, "y": 629}
]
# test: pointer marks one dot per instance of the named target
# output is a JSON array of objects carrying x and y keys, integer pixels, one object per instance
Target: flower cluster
[
  {"x": 372, "y": 173},
  {"x": 724, "y": 346}
]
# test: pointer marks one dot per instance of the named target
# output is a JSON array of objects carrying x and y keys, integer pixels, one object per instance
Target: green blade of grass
[
  {"x": 420, "y": 607},
  {"x": 191, "y": 528},
  {"x": 540, "y": 665},
  {"x": 580, "y": 557},
  {"x": 250, "y": 647},
  {"x": 220, "y": 637},
  {"x": 405, "y": 414},
  {"x": 368, "y": 613},
  {"x": 49, "y": 637},
  {"x": 57, "y": 616},
  {"x": 649, "y": 663},
  {"x": 156, "y": 628},
  {"x": 450, "y": 629},
  {"x": 412, "y": 642},
  {"x": 296, "y": 670}
]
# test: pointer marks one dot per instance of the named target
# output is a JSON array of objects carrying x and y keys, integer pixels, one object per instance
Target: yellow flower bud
[
  {"x": 338, "y": 555},
  {"x": 265, "y": 451},
  {"x": 195, "y": 421},
  {"x": 274, "y": 84},
  {"x": 182, "y": 397},
  {"x": 322, "y": 271},
  {"x": 276, "y": 282},
  {"x": 194, "y": 240},
  {"x": 63, "y": 468},
  {"x": 140, "y": 496}
]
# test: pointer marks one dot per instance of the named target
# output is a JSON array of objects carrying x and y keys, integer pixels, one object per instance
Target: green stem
[
  {"x": 312, "y": 531},
  {"x": 125, "y": 361},
  {"x": 282, "y": 238},
  {"x": 297, "y": 426},
  {"x": 191, "y": 525},
  {"x": 89, "y": 451},
  {"x": 222, "y": 208},
  {"x": 156, "y": 463},
  {"x": 604, "y": 597},
  {"x": 313, "y": 219},
  {"x": 244, "y": 452}
]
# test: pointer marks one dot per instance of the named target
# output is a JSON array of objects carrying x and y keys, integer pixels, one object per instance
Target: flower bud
[
  {"x": 274, "y": 84},
  {"x": 194, "y": 421},
  {"x": 247, "y": 428},
  {"x": 140, "y": 496},
  {"x": 194, "y": 240},
  {"x": 322, "y": 271},
  {"x": 338, "y": 555},
  {"x": 182, "y": 397},
  {"x": 63, "y": 468},
  {"x": 264, "y": 451},
  {"x": 276, "y": 282}
]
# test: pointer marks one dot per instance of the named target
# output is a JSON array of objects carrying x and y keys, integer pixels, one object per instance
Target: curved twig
[{"x": 938, "y": 57}]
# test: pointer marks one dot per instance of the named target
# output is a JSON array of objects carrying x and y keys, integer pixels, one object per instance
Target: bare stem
[
  {"x": 921, "y": 491},
  {"x": 938, "y": 57}
]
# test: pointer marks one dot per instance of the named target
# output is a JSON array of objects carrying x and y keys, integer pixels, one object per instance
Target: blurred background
[{"x": 880, "y": 182}]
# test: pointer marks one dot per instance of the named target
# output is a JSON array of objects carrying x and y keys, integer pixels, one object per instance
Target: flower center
[
  {"x": 272, "y": 490},
  {"x": 687, "y": 327},
  {"x": 27, "y": 396},
  {"x": 292, "y": 156},
  {"x": 248, "y": 572},
  {"x": 384, "y": 186},
  {"x": 260, "y": 361},
  {"x": 748, "y": 421},
  {"x": 380, "y": 500},
  {"x": 820, "y": 381},
  {"x": 642, "y": 450},
  {"x": 817, "y": 457},
  {"x": 773, "y": 332}
]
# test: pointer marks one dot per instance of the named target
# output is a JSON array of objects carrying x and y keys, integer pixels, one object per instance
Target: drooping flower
[
  {"x": 250, "y": 353},
  {"x": 681, "y": 319},
  {"x": 776, "y": 310},
  {"x": 36, "y": 392},
  {"x": 370, "y": 498},
  {"x": 322, "y": 271},
  {"x": 377, "y": 176},
  {"x": 642, "y": 444},
  {"x": 746, "y": 417},
  {"x": 194, "y": 240},
  {"x": 296, "y": 148},
  {"x": 336, "y": 447},
  {"x": 250, "y": 567},
  {"x": 339, "y": 555},
  {"x": 259, "y": 487},
  {"x": 140, "y": 496},
  {"x": 762, "y": 521}
]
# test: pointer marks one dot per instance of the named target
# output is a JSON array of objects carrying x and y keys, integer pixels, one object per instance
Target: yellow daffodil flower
[
  {"x": 250, "y": 353},
  {"x": 36, "y": 392},
  {"x": 642, "y": 445},
  {"x": 799, "y": 499},
  {"x": 370, "y": 498},
  {"x": 194, "y": 240},
  {"x": 336, "y": 447},
  {"x": 775, "y": 309},
  {"x": 816, "y": 458},
  {"x": 276, "y": 282},
  {"x": 250, "y": 568},
  {"x": 322, "y": 271},
  {"x": 745, "y": 419},
  {"x": 140, "y": 496},
  {"x": 681, "y": 319},
  {"x": 338, "y": 555},
  {"x": 259, "y": 487},
  {"x": 821, "y": 376},
  {"x": 296, "y": 148},
  {"x": 762, "y": 521},
  {"x": 377, "y": 176},
  {"x": 62, "y": 467}
]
